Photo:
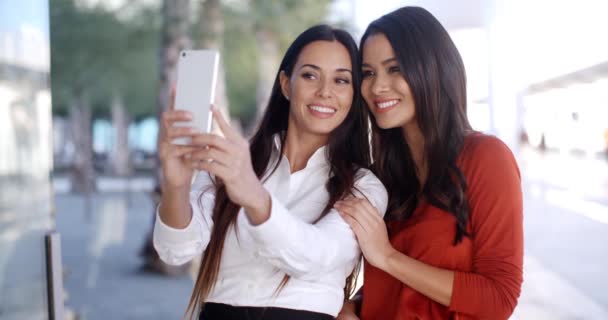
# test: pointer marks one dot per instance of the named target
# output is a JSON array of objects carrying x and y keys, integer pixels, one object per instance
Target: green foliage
[
  {"x": 240, "y": 54},
  {"x": 95, "y": 54},
  {"x": 283, "y": 18}
]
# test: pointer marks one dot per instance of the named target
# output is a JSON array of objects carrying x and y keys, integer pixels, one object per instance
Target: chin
[
  {"x": 323, "y": 128},
  {"x": 322, "y": 131},
  {"x": 386, "y": 124}
]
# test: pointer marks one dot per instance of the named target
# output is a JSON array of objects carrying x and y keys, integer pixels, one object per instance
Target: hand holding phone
[{"x": 195, "y": 89}]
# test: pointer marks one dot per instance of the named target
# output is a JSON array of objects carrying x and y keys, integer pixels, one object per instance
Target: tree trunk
[
  {"x": 211, "y": 34},
  {"x": 121, "y": 154},
  {"x": 267, "y": 67},
  {"x": 83, "y": 174},
  {"x": 174, "y": 38}
]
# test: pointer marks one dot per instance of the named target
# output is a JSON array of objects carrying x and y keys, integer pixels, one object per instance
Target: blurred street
[
  {"x": 102, "y": 268},
  {"x": 566, "y": 230},
  {"x": 566, "y": 236},
  {"x": 113, "y": 65}
]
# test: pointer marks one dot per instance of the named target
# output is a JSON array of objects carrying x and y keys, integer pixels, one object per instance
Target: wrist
[
  {"x": 387, "y": 258},
  {"x": 258, "y": 209},
  {"x": 169, "y": 189}
]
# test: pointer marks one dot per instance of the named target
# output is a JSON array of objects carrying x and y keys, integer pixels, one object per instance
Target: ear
[{"x": 284, "y": 80}]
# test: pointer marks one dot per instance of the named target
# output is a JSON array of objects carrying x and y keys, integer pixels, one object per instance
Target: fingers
[
  {"x": 369, "y": 207},
  {"x": 179, "y": 132},
  {"x": 171, "y": 116},
  {"x": 172, "y": 103},
  {"x": 215, "y": 169},
  {"x": 212, "y": 140},
  {"x": 171, "y": 151},
  {"x": 357, "y": 212},
  {"x": 364, "y": 204},
  {"x": 168, "y": 118},
  {"x": 353, "y": 223},
  {"x": 228, "y": 131},
  {"x": 180, "y": 151},
  {"x": 210, "y": 154}
]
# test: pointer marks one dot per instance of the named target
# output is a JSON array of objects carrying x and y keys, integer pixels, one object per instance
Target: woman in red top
[{"x": 454, "y": 244}]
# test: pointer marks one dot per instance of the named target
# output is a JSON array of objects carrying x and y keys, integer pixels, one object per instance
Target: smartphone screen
[{"x": 195, "y": 88}]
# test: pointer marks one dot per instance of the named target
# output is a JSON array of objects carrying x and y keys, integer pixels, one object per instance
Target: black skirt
[{"x": 220, "y": 311}]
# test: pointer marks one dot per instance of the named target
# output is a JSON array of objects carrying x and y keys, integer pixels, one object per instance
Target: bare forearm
[
  {"x": 433, "y": 282},
  {"x": 174, "y": 209}
]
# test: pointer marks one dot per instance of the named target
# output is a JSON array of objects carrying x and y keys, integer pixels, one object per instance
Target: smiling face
[
  {"x": 384, "y": 88},
  {"x": 320, "y": 88}
]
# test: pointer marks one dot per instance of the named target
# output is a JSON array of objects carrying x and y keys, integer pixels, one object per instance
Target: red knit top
[{"x": 487, "y": 265}]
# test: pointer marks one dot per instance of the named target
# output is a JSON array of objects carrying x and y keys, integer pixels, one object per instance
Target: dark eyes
[
  {"x": 308, "y": 75},
  {"x": 312, "y": 76},
  {"x": 370, "y": 73},
  {"x": 394, "y": 69},
  {"x": 342, "y": 81}
]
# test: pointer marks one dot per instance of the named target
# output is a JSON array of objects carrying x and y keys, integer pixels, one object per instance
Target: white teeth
[
  {"x": 323, "y": 109},
  {"x": 387, "y": 104}
]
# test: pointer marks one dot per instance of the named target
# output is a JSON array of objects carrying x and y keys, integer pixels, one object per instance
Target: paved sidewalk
[
  {"x": 104, "y": 281},
  {"x": 101, "y": 263}
]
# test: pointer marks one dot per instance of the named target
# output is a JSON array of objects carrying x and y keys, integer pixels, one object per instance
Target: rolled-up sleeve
[
  {"x": 302, "y": 249},
  {"x": 178, "y": 246}
]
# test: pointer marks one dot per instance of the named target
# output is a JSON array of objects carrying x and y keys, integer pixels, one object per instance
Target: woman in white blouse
[{"x": 262, "y": 211}]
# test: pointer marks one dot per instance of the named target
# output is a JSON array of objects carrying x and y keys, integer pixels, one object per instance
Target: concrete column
[{"x": 505, "y": 62}]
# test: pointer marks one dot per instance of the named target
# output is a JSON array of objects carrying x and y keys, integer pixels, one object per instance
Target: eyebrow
[
  {"x": 319, "y": 69},
  {"x": 385, "y": 62}
]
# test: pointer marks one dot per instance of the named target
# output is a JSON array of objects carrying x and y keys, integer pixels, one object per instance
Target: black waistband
[{"x": 220, "y": 311}]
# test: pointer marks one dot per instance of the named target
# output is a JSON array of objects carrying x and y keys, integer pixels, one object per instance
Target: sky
[{"x": 34, "y": 11}]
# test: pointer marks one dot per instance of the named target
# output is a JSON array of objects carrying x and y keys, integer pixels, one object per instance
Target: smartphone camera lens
[{"x": 183, "y": 54}]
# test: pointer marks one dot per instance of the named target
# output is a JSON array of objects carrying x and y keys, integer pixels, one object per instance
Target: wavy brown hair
[
  {"x": 347, "y": 152},
  {"x": 434, "y": 71}
]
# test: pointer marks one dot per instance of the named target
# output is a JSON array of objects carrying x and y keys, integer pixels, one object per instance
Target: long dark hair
[
  {"x": 434, "y": 71},
  {"x": 347, "y": 151}
]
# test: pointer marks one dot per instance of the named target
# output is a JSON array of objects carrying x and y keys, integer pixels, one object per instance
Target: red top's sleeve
[{"x": 491, "y": 289}]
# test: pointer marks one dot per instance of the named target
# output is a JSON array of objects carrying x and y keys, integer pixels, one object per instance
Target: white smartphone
[{"x": 195, "y": 88}]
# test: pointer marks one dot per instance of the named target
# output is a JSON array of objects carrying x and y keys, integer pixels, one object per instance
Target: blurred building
[{"x": 27, "y": 272}]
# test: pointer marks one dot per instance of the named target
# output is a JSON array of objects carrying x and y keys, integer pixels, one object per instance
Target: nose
[
  {"x": 325, "y": 89},
  {"x": 379, "y": 84}
]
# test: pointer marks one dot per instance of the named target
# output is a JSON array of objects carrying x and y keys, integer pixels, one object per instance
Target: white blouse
[{"x": 318, "y": 256}]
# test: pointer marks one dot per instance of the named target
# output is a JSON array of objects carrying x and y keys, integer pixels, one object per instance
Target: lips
[
  {"x": 386, "y": 104},
  {"x": 321, "y": 111}
]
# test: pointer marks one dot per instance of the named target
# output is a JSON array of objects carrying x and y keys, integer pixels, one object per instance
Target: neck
[
  {"x": 300, "y": 147},
  {"x": 415, "y": 140}
]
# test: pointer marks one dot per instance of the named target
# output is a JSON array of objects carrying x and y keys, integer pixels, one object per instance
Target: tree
[
  {"x": 102, "y": 66},
  {"x": 174, "y": 38},
  {"x": 210, "y": 35},
  {"x": 274, "y": 25},
  {"x": 77, "y": 69}
]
